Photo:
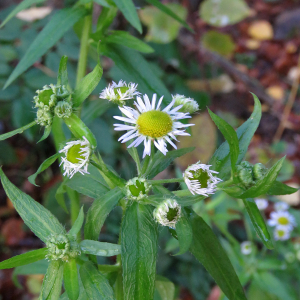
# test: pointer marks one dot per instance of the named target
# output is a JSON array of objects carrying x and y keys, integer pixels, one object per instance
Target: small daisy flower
[
  {"x": 200, "y": 179},
  {"x": 77, "y": 155},
  {"x": 246, "y": 247},
  {"x": 282, "y": 219},
  {"x": 118, "y": 92},
  {"x": 282, "y": 233},
  {"x": 148, "y": 123},
  {"x": 262, "y": 204},
  {"x": 189, "y": 105},
  {"x": 167, "y": 213},
  {"x": 137, "y": 188},
  {"x": 281, "y": 206}
]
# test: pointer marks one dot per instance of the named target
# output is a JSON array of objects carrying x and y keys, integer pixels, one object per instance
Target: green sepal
[
  {"x": 208, "y": 250},
  {"x": 77, "y": 224},
  {"x": 184, "y": 232},
  {"x": 39, "y": 219},
  {"x": 47, "y": 132},
  {"x": 230, "y": 136},
  {"x": 95, "y": 284},
  {"x": 258, "y": 222},
  {"x": 71, "y": 283},
  {"x": 139, "y": 236},
  {"x": 62, "y": 76},
  {"x": 24, "y": 259},
  {"x": 280, "y": 188},
  {"x": 16, "y": 131},
  {"x": 99, "y": 248},
  {"x": 79, "y": 129},
  {"x": 87, "y": 85},
  {"x": 45, "y": 165}
]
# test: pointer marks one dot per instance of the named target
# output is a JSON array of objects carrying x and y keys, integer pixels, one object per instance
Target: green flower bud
[
  {"x": 259, "y": 171},
  {"x": 189, "y": 105},
  {"x": 46, "y": 97},
  {"x": 63, "y": 109},
  {"x": 167, "y": 213},
  {"x": 44, "y": 116},
  {"x": 245, "y": 174},
  {"x": 137, "y": 188}
]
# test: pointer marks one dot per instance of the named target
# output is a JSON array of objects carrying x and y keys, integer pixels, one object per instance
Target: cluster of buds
[
  {"x": 167, "y": 213},
  {"x": 137, "y": 188},
  {"x": 60, "y": 247},
  {"x": 189, "y": 105},
  {"x": 52, "y": 100}
]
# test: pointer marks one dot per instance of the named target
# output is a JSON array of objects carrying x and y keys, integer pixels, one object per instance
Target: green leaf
[
  {"x": 39, "y": 219},
  {"x": 59, "y": 24},
  {"x": 139, "y": 236},
  {"x": 23, "y": 5},
  {"x": 16, "y": 131},
  {"x": 95, "y": 283},
  {"x": 98, "y": 248},
  {"x": 128, "y": 9},
  {"x": 87, "y": 85},
  {"x": 45, "y": 165},
  {"x": 161, "y": 162},
  {"x": 220, "y": 161},
  {"x": 263, "y": 185},
  {"x": 77, "y": 224},
  {"x": 230, "y": 136},
  {"x": 169, "y": 12},
  {"x": 98, "y": 212},
  {"x": 258, "y": 222},
  {"x": 132, "y": 66},
  {"x": 56, "y": 288},
  {"x": 279, "y": 188},
  {"x": 126, "y": 39},
  {"x": 184, "y": 232},
  {"x": 71, "y": 279},
  {"x": 60, "y": 196},
  {"x": 24, "y": 259},
  {"x": 208, "y": 250},
  {"x": 165, "y": 288},
  {"x": 62, "y": 76},
  {"x": 47, "y": 132}
]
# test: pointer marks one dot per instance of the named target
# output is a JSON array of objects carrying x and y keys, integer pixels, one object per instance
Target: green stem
[
  {"x": 162, "y": 181},
  {"x": 75, "y": 204},
  {"x": 225, "y": 183}
]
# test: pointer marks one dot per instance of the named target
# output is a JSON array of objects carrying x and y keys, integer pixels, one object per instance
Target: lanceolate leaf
[
  {"x": 139, "y": 249},
  {"x": 230, "y": 136},
  {"x": 47, "y": 132},
  {"x": 129, "y": 12},
  {"x": 24, "y": 259},
  {"x": 16, "y": 131},
  {"x": 184, "y": 233},
  {"x": 279, "y": 188},
  {"x": 62, "y": 76},
  {"x": 59, "y": 24},
  {"x": 258, "y": 222},
  {"x": 45, "y": 165},
  {"x": 56, "y": 288},
  {"x": 87, "y": 85},
  {"x": 220, "y": 161},
  {"x": 95, "y": 283},
  {"x": 23, "y": 5},
  {"x": 98, "y": 248},
  {"x": 71, "y": 283},
  {"x": 39, "y": 219},
  {"x": 77, "y": 224},
  {"x": 208, "y": 250}
]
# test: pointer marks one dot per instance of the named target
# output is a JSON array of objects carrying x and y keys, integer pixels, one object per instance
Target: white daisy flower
[
  {"x": 281, "y": 206},
  {"x": 283, "y": 219},
  {"x": 200, "y": 179},
  {"x": 167, "y": 213},
  {"x": 262, "y": 204},
  {"x": 282, "y": 233},
  {"x": 246, "y": 247},
  {"x": 149, "y": 123},
  {"x": 118, "y": 92},
  {"x": 77, "y": 155},
  {"x": 188, "y": 104}
]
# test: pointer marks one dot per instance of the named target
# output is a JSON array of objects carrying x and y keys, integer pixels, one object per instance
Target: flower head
[
  {"x": 118, "y": 92},
  {"x": 167, "y": 213},
  {"x": 189, "y": 105},
  {"x": 282, "y": 219},
  {"x": 262, "y": 204},
  {"x": 149, "y": 123},
  {"x": 281, "y": 206},
  {"x": 200, "y": 179},
  {"x": 77, "y": 155},
  {"x": 137, "y": 188},
  {"x": 282, "y": 233},
  {"x": 246, "y": 247}
]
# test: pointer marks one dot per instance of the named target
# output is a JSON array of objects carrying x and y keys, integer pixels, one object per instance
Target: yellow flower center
[
  {"x": 74, "y": 154},
  {"x": 280, "y": 233},
  {"x": 202, "y": 176},
  {"x": 154, "y": 123},
  {"x": 283, "y": 221},
  {"x": 122, "y": 89}
]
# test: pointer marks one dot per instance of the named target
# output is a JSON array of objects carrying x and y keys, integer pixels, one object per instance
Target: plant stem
[
  {"x": 225, "y": 183},
  {"x": 165, "y": 181},
  {"x": 75, "y": 204}
]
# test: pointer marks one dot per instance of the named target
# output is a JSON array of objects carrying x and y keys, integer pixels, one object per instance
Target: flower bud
[
  {"x": 245, "y": 174},
  {"x": 167, "y": 213},
  {"x": 137, "y": 188},
  {"x": 44, "y": 116},
  {"x": 63, "y": 109},
  {"x": 259, "y": 171},
  {"x": 189, "y": 105}
]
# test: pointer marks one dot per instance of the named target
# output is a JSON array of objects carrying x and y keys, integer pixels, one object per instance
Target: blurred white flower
[
  {"x": 34, "y": 13},
  {"x": 281, "y": 233},
  {"x": 281, "y": 206},
  {"x": 246, "y": 247},
  {"x": 282, "y": 219},
  {"x": 262, "y": 204}
]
